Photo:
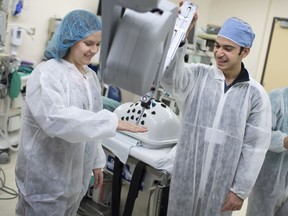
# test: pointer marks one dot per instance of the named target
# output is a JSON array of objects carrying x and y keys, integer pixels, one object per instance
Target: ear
[{"x": 245, "y": 52}]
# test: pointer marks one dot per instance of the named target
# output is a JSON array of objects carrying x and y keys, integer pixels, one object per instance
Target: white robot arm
[{"x": 139, "y": 39}]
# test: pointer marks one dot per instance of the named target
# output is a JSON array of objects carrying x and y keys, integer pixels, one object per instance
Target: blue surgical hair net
[
  {"x": 238, "y": 31},
  {"x": 75, "y": 26}
]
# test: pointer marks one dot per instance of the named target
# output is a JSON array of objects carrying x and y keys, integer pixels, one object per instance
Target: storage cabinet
[{"x": 10, "y": 121}]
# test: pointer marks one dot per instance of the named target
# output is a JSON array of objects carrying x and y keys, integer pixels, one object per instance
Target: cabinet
[
  {"x": 10, "y": 118},
  {"x": 10, "y": 121}
]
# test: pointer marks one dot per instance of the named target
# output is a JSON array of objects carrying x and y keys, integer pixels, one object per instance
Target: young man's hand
[
  {"x": 232, "y": 202},
  {"x": 195, "y": 18}
]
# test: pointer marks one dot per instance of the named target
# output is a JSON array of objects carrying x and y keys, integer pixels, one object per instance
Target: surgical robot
[{"x": 139, "y": 42}]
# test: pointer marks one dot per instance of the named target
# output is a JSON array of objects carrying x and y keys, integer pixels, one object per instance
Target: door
[{"x": 275, "y": 74}]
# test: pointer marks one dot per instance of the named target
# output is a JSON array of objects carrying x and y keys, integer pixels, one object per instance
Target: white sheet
[
  {"x": 162, "y": 159},
  {"x": 123, "y": 145},
  {"x": 120, "y": 145}
]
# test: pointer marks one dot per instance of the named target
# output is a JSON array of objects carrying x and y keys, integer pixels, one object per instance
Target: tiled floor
[{"x": 7, "y": 207}]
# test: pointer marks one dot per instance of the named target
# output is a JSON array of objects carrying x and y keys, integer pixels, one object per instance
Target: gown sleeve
[
  {"x": 278, "y": 116},
  {"x": 47, "y": 102},
  {"x": 255, "y": 145}
]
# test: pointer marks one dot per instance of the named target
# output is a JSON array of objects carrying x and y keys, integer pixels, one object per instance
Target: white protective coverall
[
  {"x": 269, "y": 197},
  {"x": 63, "y": 121},
  {"x": 223, "y": 140}
]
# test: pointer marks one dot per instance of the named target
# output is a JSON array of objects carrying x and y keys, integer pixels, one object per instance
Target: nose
[
  {"x": 95, "y": 49},
  {"x": 219, "y": 52}
]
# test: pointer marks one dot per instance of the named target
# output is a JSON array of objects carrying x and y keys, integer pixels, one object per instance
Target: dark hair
[{"x": 241, "y": 49}]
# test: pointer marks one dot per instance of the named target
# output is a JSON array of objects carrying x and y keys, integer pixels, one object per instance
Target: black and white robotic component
[
  {"x": 139, "y": 42},
  {"x": 162, "y": 122}
]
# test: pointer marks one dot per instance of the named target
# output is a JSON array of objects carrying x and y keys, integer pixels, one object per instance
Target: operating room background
[{"x": 36, "y": 14}]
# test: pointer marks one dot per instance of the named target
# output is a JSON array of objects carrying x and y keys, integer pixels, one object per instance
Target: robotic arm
[
  {"x": 135, "y": 43},
  {"x": 139, "y": 42}
]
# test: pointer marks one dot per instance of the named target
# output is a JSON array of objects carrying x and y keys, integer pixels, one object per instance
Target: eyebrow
[
  {"x": 225, "y": 45},
  {"x": 87, "y": 40},
  {"x": 90, "y": 41}
]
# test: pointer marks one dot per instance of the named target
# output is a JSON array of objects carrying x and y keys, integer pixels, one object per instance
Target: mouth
[
  {"x": 221, "y": 62},
  {"x": 88, "y": 56}
]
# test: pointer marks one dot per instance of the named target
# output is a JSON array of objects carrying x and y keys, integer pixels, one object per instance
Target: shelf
[
  {"x": 200, "y": 53},
  {"x": 210, "y": 37},
  {"x": 14, "y": 112},
  {"x": 13, "y": 139},
  {"x": 10, "y": 125}
]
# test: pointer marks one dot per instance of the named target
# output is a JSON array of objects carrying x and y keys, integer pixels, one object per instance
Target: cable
[{"x": 5, "y": 189}]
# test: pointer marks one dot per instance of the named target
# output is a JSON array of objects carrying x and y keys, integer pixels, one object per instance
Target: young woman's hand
[
  {"x": 98, "y": 177},
  {"x": 127, "y": 126}
]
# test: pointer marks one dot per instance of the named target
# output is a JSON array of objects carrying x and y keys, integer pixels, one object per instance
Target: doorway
[{"x": 275, "y": 73}]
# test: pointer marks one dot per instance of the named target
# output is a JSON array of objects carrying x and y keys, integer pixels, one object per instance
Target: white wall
[
  {"x": 253, "y": 12},
  {"x": 36, "y": 14},
  {"x": 258, "y": 13}
]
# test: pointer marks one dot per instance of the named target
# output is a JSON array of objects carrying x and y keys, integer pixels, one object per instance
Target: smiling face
[
  {"x": 228, "y": 56},
  {"x": 82, "y": 52}
]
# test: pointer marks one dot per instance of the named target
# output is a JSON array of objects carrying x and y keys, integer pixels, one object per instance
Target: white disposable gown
[
  {"x": 223, "y": 140},
  {"x": 269, "y": 197},
  {"x": 63, "y": 121}
]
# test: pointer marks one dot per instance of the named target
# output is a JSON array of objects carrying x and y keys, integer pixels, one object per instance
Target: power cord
[{"x": 5, "y": 189}]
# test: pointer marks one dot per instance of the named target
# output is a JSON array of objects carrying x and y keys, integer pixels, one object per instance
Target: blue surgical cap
[
  {"x": 74, "y": 27},
  {"x": 237, "y": 31}
]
